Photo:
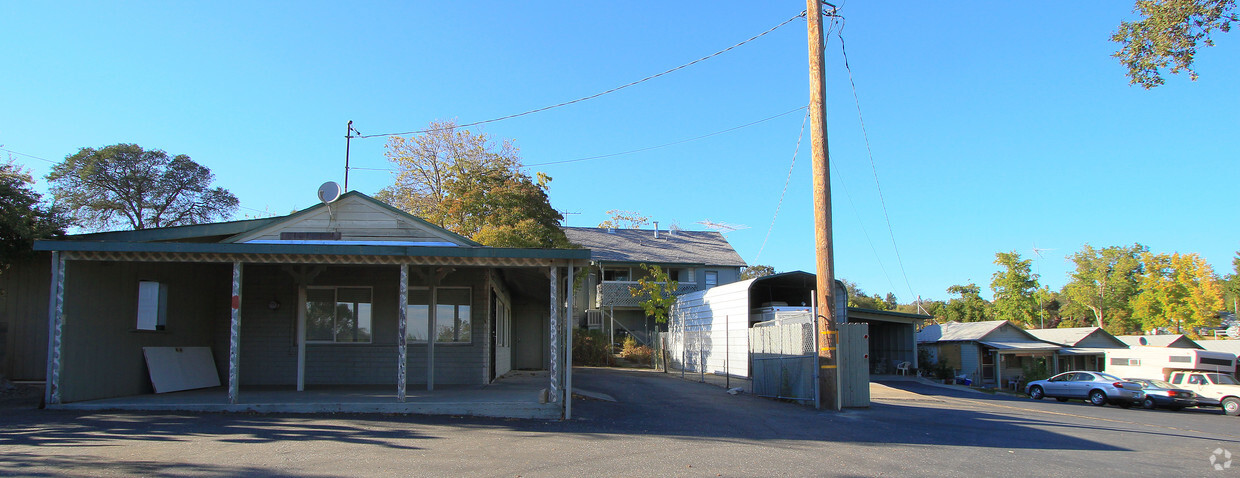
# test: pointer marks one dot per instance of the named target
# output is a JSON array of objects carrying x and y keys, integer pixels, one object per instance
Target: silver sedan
[{"x": 1097, "y": 388}]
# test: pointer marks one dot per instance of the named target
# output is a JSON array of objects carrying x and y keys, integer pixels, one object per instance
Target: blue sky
[{"x": 993, "y": 126}]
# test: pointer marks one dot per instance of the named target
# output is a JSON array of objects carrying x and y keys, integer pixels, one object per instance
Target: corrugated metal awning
[{"x": 1084, "y": 351}]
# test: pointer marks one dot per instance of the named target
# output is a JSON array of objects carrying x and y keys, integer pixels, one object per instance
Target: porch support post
[
  {"x": 1055, "y": 360},
  {"x": 402, "y": 324},
  {"x": 234, "y": 340},
  {"x": 301, "y": 335},
  {"x": 998, "y": 369},
  {"x": 555, "y": 333},
  {"x": 430, "y": 336},
  {"x": 568, "y": 349},
  {"x": 56, "y": 324}
]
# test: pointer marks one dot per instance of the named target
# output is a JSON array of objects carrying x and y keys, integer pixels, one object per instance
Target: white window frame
[
  {"x": 336, "y": 300},
  {"x": 433, "y": 305}
]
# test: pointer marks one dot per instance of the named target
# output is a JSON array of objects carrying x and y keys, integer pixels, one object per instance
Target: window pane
[
  {"x": 353, "y": 322},
  {"x": 452, "y": 320},
  {"x": 320, "y": 313},
  {"x": 445, "y": 323},
  {"x": 463, "y": 328},
  {"x": 416, "y": 312}
]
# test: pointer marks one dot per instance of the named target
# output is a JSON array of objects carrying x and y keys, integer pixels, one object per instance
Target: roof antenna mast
[{"x": 348, "y": 138}]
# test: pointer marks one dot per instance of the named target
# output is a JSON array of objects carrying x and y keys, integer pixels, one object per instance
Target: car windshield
[
  {"x": 1108, "y": 377},
  {"x": 1157, "y": 384},
  {"x": 1221, "y": 379}
]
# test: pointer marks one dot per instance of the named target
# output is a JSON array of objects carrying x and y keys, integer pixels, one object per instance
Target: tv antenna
[
  {"x": 1038, "y": 252},
  {"x": 722, "y": 227}
]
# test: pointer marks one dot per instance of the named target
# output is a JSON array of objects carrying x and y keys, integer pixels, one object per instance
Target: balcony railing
[{"x": 616, "y": 293}]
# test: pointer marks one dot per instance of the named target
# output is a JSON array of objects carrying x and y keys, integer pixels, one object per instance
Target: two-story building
[{"x": 696, "y": 260}]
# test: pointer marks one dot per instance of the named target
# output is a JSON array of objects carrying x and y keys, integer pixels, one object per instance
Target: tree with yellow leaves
[{"x": 1178, "y": 291}]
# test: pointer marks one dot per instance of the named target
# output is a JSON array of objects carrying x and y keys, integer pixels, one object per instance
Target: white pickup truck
[{"x": 1212, "y": 388}]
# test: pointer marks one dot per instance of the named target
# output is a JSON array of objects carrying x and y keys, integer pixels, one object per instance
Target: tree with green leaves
[
  {"x": 1014, "y": 286},
  {"x": 620, "y": 219},
  {"x": 23, "y": 216},
  {"x": 470, "y": 185},
  {"x": 1178, "y": 291},
  {"x": 858, "y": 298},
  {"x": 1231, "y": 286},
  {"x": 1168, "y": 34},
  {"x": 124, "y": 185},
  {"x": 1104, "y": 282},
  {"x": 969, "y": 307},
  {"x": 756, "y": 271},
  {"x": 890, "y": 302},
  {"x": 657, "y": 292}
]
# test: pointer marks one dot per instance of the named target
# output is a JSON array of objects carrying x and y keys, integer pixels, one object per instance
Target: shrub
[
  {"x": 1036, "y": 370},
  {"x": 640, "y": 354},
  {"x": 590, "y": 348}
]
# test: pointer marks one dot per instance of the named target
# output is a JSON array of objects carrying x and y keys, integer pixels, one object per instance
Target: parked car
[
  {"x": 1212, "y": 388},
  {"x": 1162, "y": 394},
  {"x": 1097, "y": 388}
]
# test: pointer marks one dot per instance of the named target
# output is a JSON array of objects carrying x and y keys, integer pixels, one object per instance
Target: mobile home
[{"x": 1159, "y": 362}]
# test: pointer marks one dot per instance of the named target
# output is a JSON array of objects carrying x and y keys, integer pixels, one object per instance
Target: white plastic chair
[{"x": 903, "y": 367}]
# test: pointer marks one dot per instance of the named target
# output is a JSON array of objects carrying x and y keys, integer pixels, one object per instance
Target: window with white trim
[
  {"x": 453, "y": 322},
  {"x": 338, "y": 314}
]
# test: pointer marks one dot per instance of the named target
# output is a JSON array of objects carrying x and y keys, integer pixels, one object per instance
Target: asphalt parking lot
[{"x": 659, "y": 425}]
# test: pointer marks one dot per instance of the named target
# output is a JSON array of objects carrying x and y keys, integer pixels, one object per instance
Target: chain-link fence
[{"x": 784, "y": 360}]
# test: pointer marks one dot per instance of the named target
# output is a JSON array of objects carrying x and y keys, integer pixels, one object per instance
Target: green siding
[
  {"x": 102, "y": 352},
  {"x": 24, "y": 291}
]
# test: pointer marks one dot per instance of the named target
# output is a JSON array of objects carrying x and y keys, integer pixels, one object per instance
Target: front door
[{"x": 503, "y": 336}]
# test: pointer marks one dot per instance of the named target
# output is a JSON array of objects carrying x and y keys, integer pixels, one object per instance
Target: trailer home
[{"x": 1160, "y": 362}]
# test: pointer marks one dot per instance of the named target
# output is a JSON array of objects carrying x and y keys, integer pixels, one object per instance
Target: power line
[
  {"x": 787, "y": 180},
  {"x": 26, "y": 155},
  {"x": 638, "y": 150},
  {"x": 870, "y": 153},
  {"x": 596, "y": 95}
]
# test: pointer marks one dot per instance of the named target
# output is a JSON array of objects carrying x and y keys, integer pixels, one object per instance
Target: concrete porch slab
[{"x": 514, "y": 396}]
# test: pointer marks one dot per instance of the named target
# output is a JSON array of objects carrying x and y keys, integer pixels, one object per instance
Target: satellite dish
[{"x": 329, "y": 191}]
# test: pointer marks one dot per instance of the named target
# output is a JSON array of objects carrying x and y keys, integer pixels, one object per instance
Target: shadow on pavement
[{"x": 648, "y": 403}]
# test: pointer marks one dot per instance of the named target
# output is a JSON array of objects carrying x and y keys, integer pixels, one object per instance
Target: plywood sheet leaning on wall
[{"x": 181, "y": 368}]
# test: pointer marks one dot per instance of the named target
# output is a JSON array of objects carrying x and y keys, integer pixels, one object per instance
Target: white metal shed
[{"x": 708, "y": 330}]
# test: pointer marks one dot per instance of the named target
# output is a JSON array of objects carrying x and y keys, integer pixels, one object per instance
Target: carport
[{"x": 893, "y": 337}]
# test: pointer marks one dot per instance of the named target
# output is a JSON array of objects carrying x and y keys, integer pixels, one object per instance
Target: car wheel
[
  {"x": 1231, "y": 406},
  {"x": 1149, "y": 403},
  {"x": 1062, "y": 399},
  {"x": 1099, "y": 398},
  {"x": 1035, "y": 392}
]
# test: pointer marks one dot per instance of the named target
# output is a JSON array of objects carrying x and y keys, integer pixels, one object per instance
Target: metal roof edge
[
  {"x": 311, "y": 249},
  {"x": 178, "y": 232}
]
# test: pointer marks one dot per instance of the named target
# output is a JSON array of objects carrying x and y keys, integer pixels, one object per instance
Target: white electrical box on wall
[{"x": 152, "y": 305}]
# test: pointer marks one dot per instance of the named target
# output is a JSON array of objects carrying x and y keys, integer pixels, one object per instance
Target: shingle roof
[
  {"x": 958, "y": 331},
  {"x": 639, "y": 245},
  {"x": 1065, "y": 336},
  {"x": 1171, "y": 340}
]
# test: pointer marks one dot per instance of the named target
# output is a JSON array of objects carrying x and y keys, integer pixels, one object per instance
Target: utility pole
[{"x": 828, "y": 338}]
